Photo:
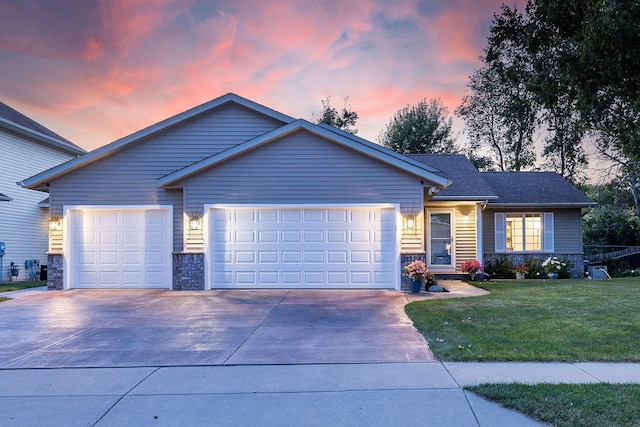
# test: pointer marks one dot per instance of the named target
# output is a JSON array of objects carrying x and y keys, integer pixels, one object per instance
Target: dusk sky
[{"x": 97, "y": 70}]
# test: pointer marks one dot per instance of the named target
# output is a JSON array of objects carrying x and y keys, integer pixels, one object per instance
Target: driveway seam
[
  {"x": 124, "y": 395},
  {"x": 256, "y": 328}
]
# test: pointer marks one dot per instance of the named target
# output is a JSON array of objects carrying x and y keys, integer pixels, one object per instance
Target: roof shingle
[
  {"x": 468, "y": 183},
  {"x": 534, "y": 188}
]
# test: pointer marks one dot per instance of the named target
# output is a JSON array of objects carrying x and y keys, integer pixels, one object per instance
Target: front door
[{"x": 440, "y": 239}]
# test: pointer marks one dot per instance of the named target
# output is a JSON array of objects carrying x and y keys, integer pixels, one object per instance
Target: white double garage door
[{"x": 245, "y": 248}]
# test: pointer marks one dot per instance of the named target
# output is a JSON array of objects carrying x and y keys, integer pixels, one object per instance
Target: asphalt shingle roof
[
  {"x": 501, "y": 188},
  {"x": 534, "y": 188},
  {"x": 467, "y": 181},
  {"x": 14, "y": 116}
]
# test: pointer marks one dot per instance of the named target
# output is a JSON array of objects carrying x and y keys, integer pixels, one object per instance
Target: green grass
[
  {"x": 536, "y": 320},
  {"x": 575, "y": 405},
  {"x": 15, "y": 286}
]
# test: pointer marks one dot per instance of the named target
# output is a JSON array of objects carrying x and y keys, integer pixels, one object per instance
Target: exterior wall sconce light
[
  {"x": 410, "y": 222},
  {"x": 195, "y": 223},
  {"x": 55, "y": 224}
]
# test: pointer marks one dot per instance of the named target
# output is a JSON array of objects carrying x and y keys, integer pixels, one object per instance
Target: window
[{"x": 524, "y": 232}]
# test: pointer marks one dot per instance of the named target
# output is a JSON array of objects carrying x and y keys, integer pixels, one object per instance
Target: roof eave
[
  {"x": 444, "y": 198},
  {"x": 542, "y": 205},
  {"x": 42, "y": 138}
]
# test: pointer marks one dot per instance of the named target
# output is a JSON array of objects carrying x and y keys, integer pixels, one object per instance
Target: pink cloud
[{"x": 132, "y": 64}]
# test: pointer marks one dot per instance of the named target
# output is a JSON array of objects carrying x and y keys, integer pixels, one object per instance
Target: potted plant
[
  {"x": 553, "y": 266},
  {"x": 521, "y": 271},
  {"x": 418, "y": 273},
  {"x": 473, "y": 268}
]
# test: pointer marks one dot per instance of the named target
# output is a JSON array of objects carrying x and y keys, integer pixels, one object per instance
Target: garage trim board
[{"x": 302, "y": 246}]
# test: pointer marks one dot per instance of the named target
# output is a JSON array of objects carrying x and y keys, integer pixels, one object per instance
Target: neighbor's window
[{"x": 523, "y": 232}]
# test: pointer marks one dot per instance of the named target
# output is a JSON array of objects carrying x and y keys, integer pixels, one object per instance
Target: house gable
[
  {"x": 181, "y": 139},
  {"x": 300, "y": 167},
  {"x": 368, "y": 149}
]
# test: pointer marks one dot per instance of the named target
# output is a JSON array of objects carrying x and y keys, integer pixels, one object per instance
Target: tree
[
  {"x": 344, "y": 119},
  {"x": 602, "y": 67},
  {"x": 422, "y": 128},
  {"x": 483, "y": 119},
  {"x": 612, "y": 222},
  {"x": 501, "y": 112}
]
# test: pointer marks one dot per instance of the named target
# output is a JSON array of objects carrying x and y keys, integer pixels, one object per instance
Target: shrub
[
  {"x": 499, "y": 268},
  {"x": 534, "y": 269}
]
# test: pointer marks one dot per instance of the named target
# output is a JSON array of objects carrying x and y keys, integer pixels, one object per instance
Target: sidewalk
[
  {"x": 23, "y": 292},
  {"x": 410, "y": 394}
]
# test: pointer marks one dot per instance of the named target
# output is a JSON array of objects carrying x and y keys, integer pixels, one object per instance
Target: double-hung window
[{"x": 524, "y": 232}]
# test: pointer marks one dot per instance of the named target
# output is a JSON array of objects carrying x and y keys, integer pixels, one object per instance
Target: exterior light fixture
[
  {"x": 195, "y": 223},
  {"x": 55, "y": 224},
  {"x": 410, "y": 222}
]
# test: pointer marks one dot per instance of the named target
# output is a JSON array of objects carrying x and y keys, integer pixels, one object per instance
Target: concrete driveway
[{"x": 105, "y": 328}]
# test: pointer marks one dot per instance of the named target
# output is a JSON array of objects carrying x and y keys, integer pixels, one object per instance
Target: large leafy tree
[
  {"x": 484, "y": 122},
  {"x": 422, "y": 128},
  {"x": 501, "y": 113},
  {"x": 601, "y": 58},
  {"x": 344, "y": 119},
  {"x": 612, "y": 222},
  {"x": 524, "y": 88}
]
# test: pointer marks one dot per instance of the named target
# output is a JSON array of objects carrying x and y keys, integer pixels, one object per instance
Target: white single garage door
[
  {"x": 302, "y": 248},
  {"x": 119, "y": 248}
]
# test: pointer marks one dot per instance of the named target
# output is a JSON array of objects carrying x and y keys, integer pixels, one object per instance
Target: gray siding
[
  {"x": 24, "y": 225},
  {"x": 129, "y": 176},
  {"x": 568, "y": 231},
  {"x": 301, "y": 168},
  {"x": 567, "y": 228}
]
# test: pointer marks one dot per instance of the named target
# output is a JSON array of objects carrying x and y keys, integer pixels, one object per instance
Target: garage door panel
[
  {"x": 244, "y": 257},
  {"x": 268, "y": 257},
  {"x": 302, "y": 248},
  {"x": 120, "y": 248}
]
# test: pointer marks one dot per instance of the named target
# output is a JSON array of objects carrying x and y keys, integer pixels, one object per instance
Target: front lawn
[
  {"x": 570, "y": 405},
  {"x": 543, "y": 320},
  {"x": 536, "y": 320},
  {"x": 15, "y": 286}
]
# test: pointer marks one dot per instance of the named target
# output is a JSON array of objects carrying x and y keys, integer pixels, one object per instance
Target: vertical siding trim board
[
  {"x": 209, "y": 207},
  {"x": 479, "y": 235}
]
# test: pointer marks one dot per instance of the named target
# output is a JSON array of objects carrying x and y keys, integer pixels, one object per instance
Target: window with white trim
[{"x": 524, "y": 232}]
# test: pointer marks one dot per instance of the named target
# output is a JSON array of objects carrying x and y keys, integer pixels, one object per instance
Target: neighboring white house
[{"x": 27, "y": 148}]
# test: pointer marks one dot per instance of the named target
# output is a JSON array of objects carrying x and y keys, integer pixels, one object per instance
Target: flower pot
[
  {"x": 477, "y": 275},
  {"x": 415, "y": 286},
  {"x": 552, "y": 276},
  {"x": 519, "y": 275}
]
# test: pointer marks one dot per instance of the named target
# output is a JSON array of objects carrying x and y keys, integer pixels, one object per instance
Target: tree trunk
[{"x": 633, "y": 180}]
